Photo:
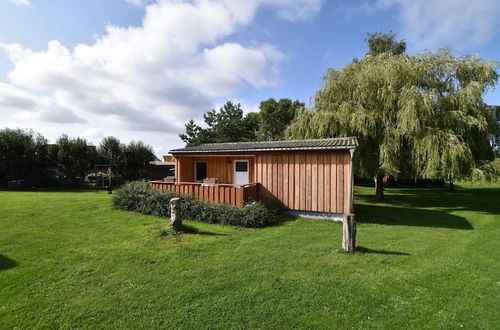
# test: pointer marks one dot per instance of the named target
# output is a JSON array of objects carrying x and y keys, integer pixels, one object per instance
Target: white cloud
[
  {"x": 148, "y": 80},
  {"x": 21, "y": 2},
  {"x": 457, "y": 23}
]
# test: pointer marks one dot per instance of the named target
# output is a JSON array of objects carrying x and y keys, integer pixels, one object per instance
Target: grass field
[{"x": 426, "y": 259}]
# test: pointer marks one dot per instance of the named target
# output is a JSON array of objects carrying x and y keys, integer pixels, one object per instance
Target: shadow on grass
[
  {"x": 6, "y": 263},
  {"x": 475, "y": 199},
  {"x": 188, "y": 229},
  {"x": 283, "y": 219},
  {"x": 408, "y": 216},
  {"x": 361, "y": 249}
]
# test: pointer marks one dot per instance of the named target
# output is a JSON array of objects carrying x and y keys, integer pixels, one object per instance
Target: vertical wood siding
[{"x": 307, "y": 181}]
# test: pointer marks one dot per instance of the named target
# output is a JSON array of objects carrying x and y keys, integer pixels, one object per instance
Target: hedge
[{"x": 140, "y": 197}]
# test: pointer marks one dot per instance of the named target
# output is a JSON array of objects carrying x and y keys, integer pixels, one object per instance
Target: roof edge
[{"x": 180, "y": 151}]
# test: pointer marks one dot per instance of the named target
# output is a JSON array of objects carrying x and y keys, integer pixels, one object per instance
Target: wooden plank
[
  {"x": 308, "y": 184},
  {"x": 346, "y": 181},
  {"x": 204, "y": 193},
  {"x": 222, "y": 198},
  {"x": 259, "y": 168},
  {"x": 321, "y": 183},
  {"x": 285, "y": 184},
  {"x": 340, "y": 183},
  {"x": 227, "y": 195},
  {"x": 279, "y": 177},
  {"x": 275, "y": 175},
  {"x": 291, "y": 181},
  {"x": 314, "y": 182},
  {"x": 264, "y": 176},
  {"x": 296, "y": 188},
  {"x": 269, "y": 176},
  {"x": 302, "y": 186},
  {"x": 233, "y": 196},
  {"x": 327, "y": 166},
  {"x": 333, "y": 180},
  {"x": 239, "y": 196}
]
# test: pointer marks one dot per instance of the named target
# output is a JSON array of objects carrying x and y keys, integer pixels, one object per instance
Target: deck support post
[
  {"x": 175, "y": 214},
  {"x": 349, "y": 233}
]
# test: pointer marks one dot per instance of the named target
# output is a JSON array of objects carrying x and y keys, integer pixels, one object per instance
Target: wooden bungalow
[{"x": 304, "y": 175}]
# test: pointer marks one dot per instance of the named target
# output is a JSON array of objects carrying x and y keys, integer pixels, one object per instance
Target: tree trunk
[
  {"x": 379, "y": 186},
  {"x": 451, "y": 187}
]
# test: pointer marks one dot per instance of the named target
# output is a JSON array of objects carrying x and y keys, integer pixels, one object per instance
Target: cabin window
[
  {"x": 200, "y": 171},
  {"x": 241, "y": 166}
]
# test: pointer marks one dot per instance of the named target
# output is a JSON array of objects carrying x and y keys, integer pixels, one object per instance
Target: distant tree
[
  {"x": 74, "y": 157},
  {"x": 111, "y": 151},
  {"x": 380, "y": 42},
  {"x": 252, "y": 123},
  {"x": 137, "y": 160},
  {"x": 226, "y": 125},
  {"x": 275, "y": 116},
  {"x": 192, "y": 136},
  {"x": 24, "y": 156},
  {"x": 422, "y": 114},
  {"x": 495, "y": 129}
]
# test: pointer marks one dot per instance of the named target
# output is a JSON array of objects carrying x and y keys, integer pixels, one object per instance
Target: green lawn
[{"x": 427, "y": 259}]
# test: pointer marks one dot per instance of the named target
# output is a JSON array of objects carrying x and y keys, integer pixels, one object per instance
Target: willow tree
[{"x": 419, "y": 115}]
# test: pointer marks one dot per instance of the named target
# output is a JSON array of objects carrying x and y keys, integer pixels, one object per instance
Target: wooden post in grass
[
  {"x": 175, "y": 214},
  {"x": 349, "y": 237}
]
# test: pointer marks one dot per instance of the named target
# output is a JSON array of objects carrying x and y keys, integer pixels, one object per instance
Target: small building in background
[{"x": 161, "y": 169}]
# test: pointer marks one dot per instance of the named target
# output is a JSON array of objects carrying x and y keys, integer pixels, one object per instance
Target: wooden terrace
[{"x": 231, "y": 194}]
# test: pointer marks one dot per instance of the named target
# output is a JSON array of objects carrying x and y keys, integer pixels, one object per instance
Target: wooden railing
[{"x": 230, "y": 194}]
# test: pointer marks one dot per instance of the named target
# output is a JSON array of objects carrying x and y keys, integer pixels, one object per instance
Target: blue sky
[{"x": 164, "y": 62}]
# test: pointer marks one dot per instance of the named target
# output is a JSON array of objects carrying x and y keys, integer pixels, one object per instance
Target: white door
[{"x": 241, "y": 172}]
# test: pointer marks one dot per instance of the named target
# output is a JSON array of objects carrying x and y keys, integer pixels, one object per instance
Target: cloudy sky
[{"x": 139, "y": 69}]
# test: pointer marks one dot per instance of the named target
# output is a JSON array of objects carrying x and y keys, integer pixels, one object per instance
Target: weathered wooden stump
[
  {"x": 349, "y": 237},
  {"x": 175, "y": 214}
]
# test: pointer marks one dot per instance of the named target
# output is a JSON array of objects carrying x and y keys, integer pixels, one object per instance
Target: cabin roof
[{"x": 261, "y": 146}]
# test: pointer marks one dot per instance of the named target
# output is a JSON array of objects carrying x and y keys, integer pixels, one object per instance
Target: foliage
[
  {"x": 24, "y": 156},
  {"x": 254, "y": 215},
  {"x": 73, "y": 157},
  {"x": 111, "y": 151},
  {"x": 137, "y": 157},
  {"x": 380, "y": 42},
  {"x": 423, "y": 114},
  {"x": 229, "y": 124},
  {"x": 495, "y": 129},
  {"x": 131, "y": 161},
  {"x": 140, "y": 197},
  {"x": 275, "y": 116}
]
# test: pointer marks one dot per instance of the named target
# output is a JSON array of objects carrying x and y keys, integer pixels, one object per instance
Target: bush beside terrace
[{"x": 138, "y": 196}]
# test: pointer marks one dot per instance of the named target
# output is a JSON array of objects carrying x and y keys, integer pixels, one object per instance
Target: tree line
[
  {"x": 415, "y": 116},
  {"x": 26, "y": 155},
  {"x": 230, "y": 124}
]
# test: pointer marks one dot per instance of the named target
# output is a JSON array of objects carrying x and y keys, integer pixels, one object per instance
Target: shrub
[{"x": 140, "y": 197}]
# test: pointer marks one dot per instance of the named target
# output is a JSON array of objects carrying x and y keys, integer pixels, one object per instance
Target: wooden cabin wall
[
  {"x": 217, "y": 167},
  {"x": 307, "y": 181}
]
